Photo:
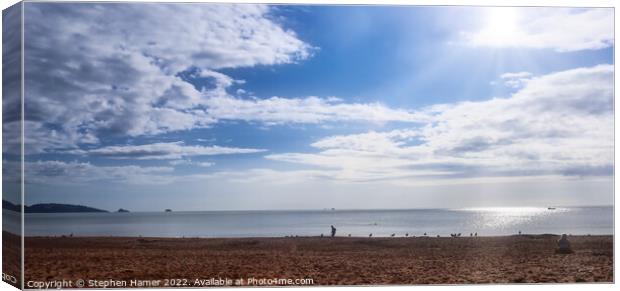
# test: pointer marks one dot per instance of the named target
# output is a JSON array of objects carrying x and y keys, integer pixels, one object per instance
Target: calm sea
[{"x": 484, "y": 221}]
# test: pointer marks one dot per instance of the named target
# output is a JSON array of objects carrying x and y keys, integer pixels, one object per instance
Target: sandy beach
[
  {"x": 11, "y": 257},
  {"x": 326, "y": 261}
]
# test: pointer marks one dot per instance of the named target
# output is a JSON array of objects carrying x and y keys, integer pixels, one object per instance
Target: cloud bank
[
  {"x": 557, "y": 124},
  {"x": 89, "y": 77}
]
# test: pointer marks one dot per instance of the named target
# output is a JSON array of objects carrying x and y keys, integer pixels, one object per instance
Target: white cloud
[
  {"x": 277, "y": 110},
  {"x": 516, "y": 80},
  {"x": 76, "y": 173},
  {"x": 560, "y": 29},
  {"x": 94, "y": 72},
  {"x": 163, "y": 151},
  {"x": 518, "y": 75},
  {"x": 189, "y": 162},
  {"x": 557, "y": 124}
]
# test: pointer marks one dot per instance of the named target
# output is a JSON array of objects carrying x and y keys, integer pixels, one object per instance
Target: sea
[{"x": 489, "y": 221}]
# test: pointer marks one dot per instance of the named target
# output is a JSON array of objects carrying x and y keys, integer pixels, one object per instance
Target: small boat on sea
[{"x": 550, "y": 208}]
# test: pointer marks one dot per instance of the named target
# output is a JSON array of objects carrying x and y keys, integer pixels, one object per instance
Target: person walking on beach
[
  {"x": 564, "y": 246},
  {"x": 333, "y": 231}
]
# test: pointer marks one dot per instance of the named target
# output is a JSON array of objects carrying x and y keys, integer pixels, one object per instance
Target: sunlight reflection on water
[{"x": 508, "y": 217}]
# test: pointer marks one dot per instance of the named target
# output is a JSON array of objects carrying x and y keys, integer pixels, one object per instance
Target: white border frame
[{"x": 550, "y": 3}]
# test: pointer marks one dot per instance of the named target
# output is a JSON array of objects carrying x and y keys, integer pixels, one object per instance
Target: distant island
[{"x": 49, "y": 208}]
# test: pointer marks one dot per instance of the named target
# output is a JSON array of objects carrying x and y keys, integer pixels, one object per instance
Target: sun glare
[{"x": 500, "y": 26}]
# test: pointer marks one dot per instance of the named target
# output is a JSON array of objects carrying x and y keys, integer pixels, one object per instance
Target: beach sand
[
  {"x": 327, "y": 261},
  {"x": 11, "y": 258}
]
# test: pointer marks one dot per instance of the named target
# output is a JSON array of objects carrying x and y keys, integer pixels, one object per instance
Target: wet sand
[{"x": 327, "y": 261}]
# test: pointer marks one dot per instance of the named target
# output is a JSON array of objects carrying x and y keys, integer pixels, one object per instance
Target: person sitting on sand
[
  {"x": 333, "y": 231},
  {"x": 564, "y": 246}
]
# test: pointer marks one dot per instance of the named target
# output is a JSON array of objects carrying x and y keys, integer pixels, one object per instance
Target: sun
[{"x": 500, "y": 26}]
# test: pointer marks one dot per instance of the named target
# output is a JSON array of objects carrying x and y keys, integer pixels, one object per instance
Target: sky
[{"x": 241, "y": 107}]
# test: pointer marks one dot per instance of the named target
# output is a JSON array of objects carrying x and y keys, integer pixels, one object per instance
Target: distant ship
[
  {"x": 168, "y": 210},
  {"x": 551, "y": 208}
]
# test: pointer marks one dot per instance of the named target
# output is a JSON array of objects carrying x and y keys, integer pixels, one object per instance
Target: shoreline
[{"x": 327, "y": 261}]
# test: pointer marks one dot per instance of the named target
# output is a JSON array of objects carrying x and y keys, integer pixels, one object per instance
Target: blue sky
[{"x": 295, "y": 107}]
